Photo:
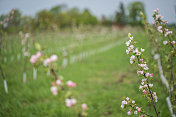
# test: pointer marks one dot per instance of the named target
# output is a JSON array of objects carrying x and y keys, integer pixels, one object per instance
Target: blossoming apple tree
[
  {"x": 163, "y": 41},
  {"x": 143, "y": 72},
  {"x": 59, "y": 87},
  {"x": 26, "y": 54},
  {"x": 2, "y": 23}
]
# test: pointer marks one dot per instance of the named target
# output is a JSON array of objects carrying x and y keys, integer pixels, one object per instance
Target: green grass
[{"x": 102, "y": 81}]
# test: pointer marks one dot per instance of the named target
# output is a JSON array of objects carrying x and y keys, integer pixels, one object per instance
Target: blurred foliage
[
  {"x": 59, "y": 17},
  {"x": 121, "y": 16},
  {"x": 134, "y": 13},
  {"x": 106, "y": 21}
]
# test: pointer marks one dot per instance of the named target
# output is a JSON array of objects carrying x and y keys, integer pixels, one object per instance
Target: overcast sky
[{"x": 97, "y": 7}]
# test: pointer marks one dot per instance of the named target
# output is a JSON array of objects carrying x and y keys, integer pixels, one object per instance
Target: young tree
[
  {"x": 120, "y": 15},
  {"x": 134, "y": 13}
]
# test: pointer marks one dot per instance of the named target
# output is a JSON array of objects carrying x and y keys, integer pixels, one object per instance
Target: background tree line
[{"x": 60, "y": 16}]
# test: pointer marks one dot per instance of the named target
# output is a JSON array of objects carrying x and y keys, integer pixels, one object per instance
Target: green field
[{"x": 103, "y": 79}]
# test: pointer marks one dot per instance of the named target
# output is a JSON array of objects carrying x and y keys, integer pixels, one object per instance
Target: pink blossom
[
  {"x": 145, "y": 86},
  {"x": 127, "y": 98},
  {"x": 52, "y": 83},
  {"x": 33, "y": 59},
  {"x": 151, "y": 75},
  {"x": 140, "y": 87},
  {"x": 135, "y": 112},
  {"x": 142, "y": 65},
  {"x": 158, "y": 17},
  {"x": 124, "y": 102},
  {"x": 150, "y": 85},
  {"x": 168, "y": 33},
  {"x": 164, "y": 21},
  {"x": 53, "y": 58},
  {"x": 156, "y": 11},
  {"x": 147, "y": 74},
  {"x": 143, "y": 80},
  {"x": 84, "y": 106},
  {"x": 129, "y": 112},
  {"x": 58, "y": 82},
  {"x": 128, "y": 43},
  {"x": 131, "y": 62},
  {"x": 142, "y": 50},
  {"x": 140, "y": 73},
  {"x": 132, "y": 59},
  {"x": 70, "y": 102},
  {"x": 39, "y": 54},
  {"x": 144, "y": 92},
  {"x": 141, "y": 60},
  {"x": 173, "y": 42},
  {"x": 135, "y": 51},
  {"x": 141, "y": 116},
  {"x": 71, "y": 83},
  {"x": 127, "y": 51},
  {"x": 133, "y": 101},
  {"x": 142, "y": 83},
  {"x": 166, "y": 29},
  {"x": 74, "y": 101},
  {"x": 165, "y": 42},
  {"x": 54, "y": 90},
  {"x": 160, "y": 29},
  {"x": 46, "y": 62},
  {"x": 122, "y": 106},
  {"x": 131, "y": 46},
  {"x": 146, "y": 68},
  {"x": 138, "y": 109},
  {"x": 131, "y": 38},
  {"x": 138, "y": 53}
]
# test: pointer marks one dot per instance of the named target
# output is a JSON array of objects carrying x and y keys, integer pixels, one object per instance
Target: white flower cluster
[
  {"x": 167, "y": 33},
  {"x": 162, "y": 28},
  {"x": 135, "y": 52},
  {"x": 55, "y": 88},
  {"x": 166, "y": 42},
  {"x": 144, "y": 88},
  {"x": 131, "y": 104},
  {"x": 142, "y": 65},
  {"x": 70, "y": 102},
  {"x": 47, "y": 61},
  {"x": 132, "y": 58}
]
